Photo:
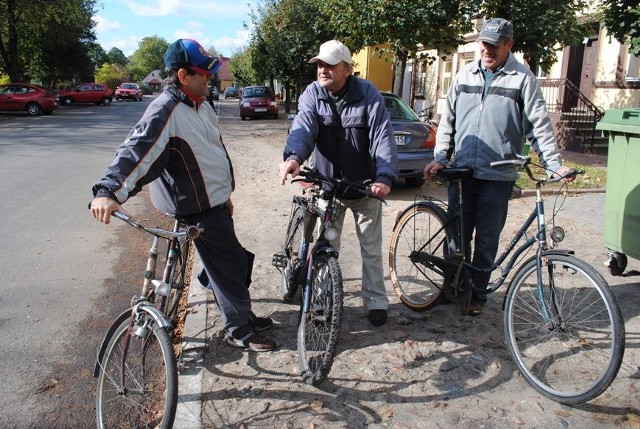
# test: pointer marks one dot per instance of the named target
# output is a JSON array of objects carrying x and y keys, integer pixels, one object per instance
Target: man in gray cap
[
  {"x": 491, "y": 106},
  {"x": 177, "y": 147},
  {"x": 342, "y": 120}
]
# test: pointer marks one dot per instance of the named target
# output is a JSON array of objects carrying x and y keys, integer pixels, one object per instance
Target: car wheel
[
  {"x": 34, "y": 109},
  {"x": 414, "y": 182},
  {"x": 275, "y": 116},
  {"x": 243, "y": 118},
  {"x": 106, "y": 101},
  {"x": 66, "y": 101}
]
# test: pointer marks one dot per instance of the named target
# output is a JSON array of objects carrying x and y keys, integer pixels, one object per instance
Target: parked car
[
  {"x": 415, "y": 139},
  {"x": 128, "y": 90},
  {"x": 86, "y": 93},
  {"x": 231, "y": 92},
  {"x": 258, "y": 101},
  {"x": 214, "y": 95},
  {"x": 34, "y": 99}
]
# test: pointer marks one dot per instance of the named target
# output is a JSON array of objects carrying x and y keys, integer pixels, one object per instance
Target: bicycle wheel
[
  {"x": 178, "y": 281},
  {"x": 417, "y": 282},
  {"x": 320, "y": 326},
  {"x": 148, "y": 396},
  {"x": 573, "y": 354},
  {"x": 295, "y": 231}
]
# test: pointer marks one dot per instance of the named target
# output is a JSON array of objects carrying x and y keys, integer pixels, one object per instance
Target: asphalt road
[{"x": 53, "y": 258}]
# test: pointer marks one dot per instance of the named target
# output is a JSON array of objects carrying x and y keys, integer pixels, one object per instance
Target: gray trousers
[{"x": 367, "y": 213}]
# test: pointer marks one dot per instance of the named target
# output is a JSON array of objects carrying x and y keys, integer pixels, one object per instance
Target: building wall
[{"x": 368, "y": 65}]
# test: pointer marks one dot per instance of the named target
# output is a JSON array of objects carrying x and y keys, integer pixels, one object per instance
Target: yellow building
[{"x": 368, "y": 64}]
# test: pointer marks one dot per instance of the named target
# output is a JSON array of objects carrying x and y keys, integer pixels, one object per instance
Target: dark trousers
[
  {"x": 226, "y": 264},
  {"x": 486, "y": 203}
]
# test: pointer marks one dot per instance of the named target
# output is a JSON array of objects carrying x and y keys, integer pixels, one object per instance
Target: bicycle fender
[
  {"x": 105, "y": 342},
  {"x": 564, "y": 252},
  {"x": 323, "y": 247},
  {"x": 417, "y": 204},
  {"x": 157, "y": 316}
]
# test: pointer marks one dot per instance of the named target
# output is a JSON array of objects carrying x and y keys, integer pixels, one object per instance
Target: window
[
  {"x": 446, "y": 77},
  {"x": 633, "y": 68}
]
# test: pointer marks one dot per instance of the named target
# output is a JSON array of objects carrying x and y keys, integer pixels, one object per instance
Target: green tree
[
  {"x": 539, "y": 34},
  {"x": 286, "y": 34},
  {"x": 622, "y": 19},
  {"x": 241, "y": 68},
  {"x": 111, "y": 75},
  {"x": 45, "y": 40},
  {"x": 148, "y": 57},
  {"x": 98, "y": 55},
  {"x": 116, "y": 56},
  {"x": 405, "y": 25}
]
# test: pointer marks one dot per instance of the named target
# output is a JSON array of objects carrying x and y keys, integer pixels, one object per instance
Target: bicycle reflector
[{"x": 557, "y": 234}]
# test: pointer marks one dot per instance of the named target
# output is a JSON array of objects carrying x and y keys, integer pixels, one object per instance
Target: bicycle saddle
[{"x": 455, "y": 173}]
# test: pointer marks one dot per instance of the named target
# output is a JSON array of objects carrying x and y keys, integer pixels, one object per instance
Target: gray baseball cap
[{"x": 496, "y": 31}]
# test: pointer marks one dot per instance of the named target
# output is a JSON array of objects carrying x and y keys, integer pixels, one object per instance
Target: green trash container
[{"x": 622, "y": 201}]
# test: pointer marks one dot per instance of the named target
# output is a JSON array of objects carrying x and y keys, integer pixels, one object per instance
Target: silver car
[{"x": 415, "y": 139}]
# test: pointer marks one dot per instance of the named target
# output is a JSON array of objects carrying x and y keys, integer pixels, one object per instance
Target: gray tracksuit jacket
[
  {"x": 178, "y": 149},
  {"x": 475, "y": 131}
]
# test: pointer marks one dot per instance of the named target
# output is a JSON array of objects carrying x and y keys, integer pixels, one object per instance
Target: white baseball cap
[{"x": 332, "y": 52}]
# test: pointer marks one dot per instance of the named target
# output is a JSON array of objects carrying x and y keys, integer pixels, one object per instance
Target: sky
[{"x": 218, "y": 23}]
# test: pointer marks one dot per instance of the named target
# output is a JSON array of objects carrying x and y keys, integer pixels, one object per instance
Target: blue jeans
[{"x": 486, "y": 203}]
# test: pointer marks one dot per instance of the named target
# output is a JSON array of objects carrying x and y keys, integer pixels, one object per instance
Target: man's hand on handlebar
[
  {"x": 379, "y": 190},
  {"x": 431, "y": 169},
  {"x": 289, "y": 166},
  {"x": 102, "y": 207},
  {"x": 562, "y": 171}
]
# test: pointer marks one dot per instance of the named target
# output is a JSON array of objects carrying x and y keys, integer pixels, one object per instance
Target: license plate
[
  {"x": 260, "y": 109},
  {"x": 400, "y": 141}
]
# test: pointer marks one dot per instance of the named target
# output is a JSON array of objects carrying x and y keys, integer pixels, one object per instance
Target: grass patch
[{"x": 593, "y": 178}]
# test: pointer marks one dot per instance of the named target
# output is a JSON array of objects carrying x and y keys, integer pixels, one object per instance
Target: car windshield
[
  {"x": 129, "y": 86},
  {"x": 398, "y": 110},
  {"x": 255, "y": 92}
]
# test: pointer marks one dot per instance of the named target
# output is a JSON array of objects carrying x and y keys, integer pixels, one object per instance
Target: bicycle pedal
[{"x": 279, "y": 260}]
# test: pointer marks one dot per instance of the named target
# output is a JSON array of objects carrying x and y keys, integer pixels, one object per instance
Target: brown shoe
[
  {"x": 472, "y": 307},
  {"x": 251, "y": 341}
]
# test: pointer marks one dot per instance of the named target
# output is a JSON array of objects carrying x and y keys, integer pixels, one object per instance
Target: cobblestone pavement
[{"x": 433, "y": 369}]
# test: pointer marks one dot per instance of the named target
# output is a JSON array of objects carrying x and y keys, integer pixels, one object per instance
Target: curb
[{"x": 194, "y": 346}]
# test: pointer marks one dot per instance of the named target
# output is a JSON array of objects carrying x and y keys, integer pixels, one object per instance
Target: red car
[
  {"x": 86, "y": 93},
  {"x": 33, "y": 99},
  {"x": 128, "y": 90},
  {"x": 258, "y": 101}
]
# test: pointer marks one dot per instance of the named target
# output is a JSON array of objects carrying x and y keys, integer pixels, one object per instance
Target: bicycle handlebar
[
  {"x": 190, "y": 231},
  {"x": 312, "y": 175},
  {"x": 525, "y": 162}
]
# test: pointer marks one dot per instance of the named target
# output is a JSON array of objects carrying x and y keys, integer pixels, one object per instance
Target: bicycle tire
[
  {"x": 418, "y": 286},
  {"x": 576, "y": 356},
  {"x": 178, "y": 282},
  {"x": 150, "y": 365},
  {"x": 318, "y": 331},
  {"x": 291, "y": 248}
]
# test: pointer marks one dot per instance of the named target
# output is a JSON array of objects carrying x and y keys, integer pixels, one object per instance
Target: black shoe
[
  {"x": 259, "y": 324},
  {"x": 245, "y": 338},
  {"x": 378, "y": 317}
]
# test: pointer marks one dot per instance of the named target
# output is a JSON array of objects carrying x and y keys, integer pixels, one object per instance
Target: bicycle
[
  {"x": 562, "y": 324},
  {"x": 311, "y": 273},
  {"x": 136, "y": 368}
]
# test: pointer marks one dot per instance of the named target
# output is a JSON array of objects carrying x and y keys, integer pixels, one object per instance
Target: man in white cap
[
  {"x": 177, "y": 147},
  {"x": 491, "y": 106},
  {"x": 343, "y": 122}
]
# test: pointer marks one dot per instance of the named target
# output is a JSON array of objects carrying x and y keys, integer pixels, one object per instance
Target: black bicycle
[
  {"x": 310, "y": 270},
  {"x": 562, "y": 324},
  {"x": 136, "y": 365}
]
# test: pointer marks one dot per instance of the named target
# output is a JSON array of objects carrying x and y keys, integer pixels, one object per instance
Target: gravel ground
[{"x": 434, "y": 369}]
